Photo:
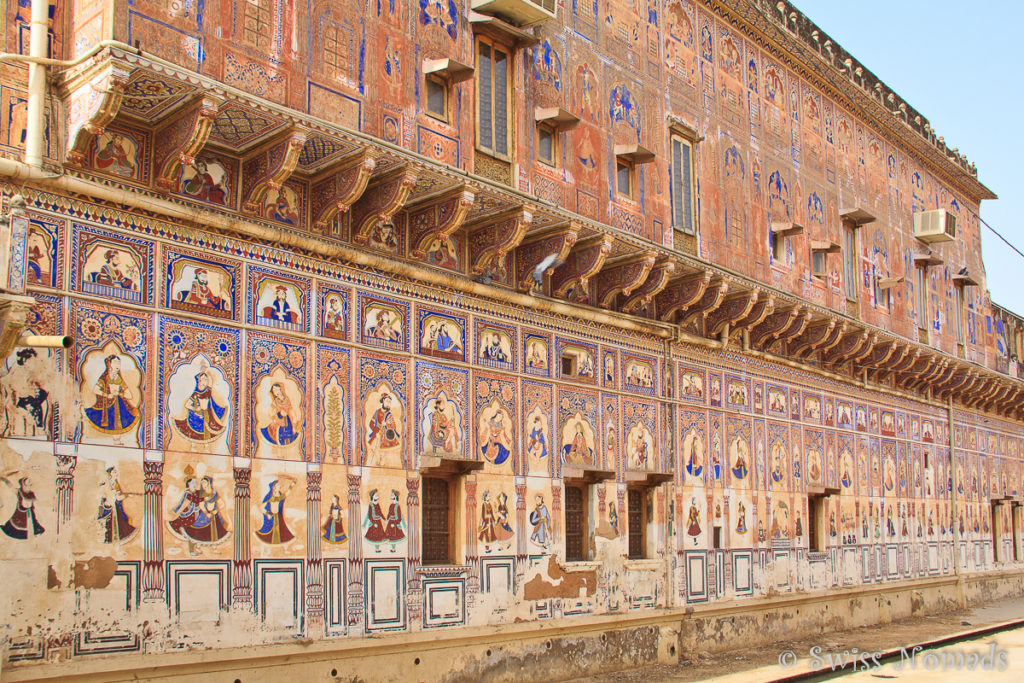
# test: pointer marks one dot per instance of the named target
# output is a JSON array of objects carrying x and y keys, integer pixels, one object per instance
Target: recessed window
[
  {"x": 546, "y": 145},
  {"x": 778, "y": 245},
  {"x": 682, "y": 191},
  {"x": 635, "y": 504},
  {"x": 438, "y": 536},
  {"x": 922, "y": 298},
  {"x": 569, "y": 365},
  {"x": 437, "y": 98},
  {"x": 577, "y": 546},
  {"x": 819, "y": 264},
  {"x": 816, "y": 523},
  {"x": 493, "y": 74},
  {"x": 624, "y": 178},
  {"x": 850, "y": 263}
]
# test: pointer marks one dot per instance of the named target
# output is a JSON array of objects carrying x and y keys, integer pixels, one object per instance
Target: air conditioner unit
[
  {"x": 937, "y": 225},
  {"x": 522, "y": 13}
]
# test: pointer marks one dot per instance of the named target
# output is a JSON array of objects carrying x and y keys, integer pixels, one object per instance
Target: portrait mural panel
[
  {"x": 110, "y": 265},
  {"x": 334, "y": 310},
  {"x": 383, "y": 322},
  {"x": 442, "y": 335},
  {"x": 442, "y": 397},
  {"x": 495, "y": 345},
  {"x": 198, "y": 284},
  {"x": 278, "y": 300}
]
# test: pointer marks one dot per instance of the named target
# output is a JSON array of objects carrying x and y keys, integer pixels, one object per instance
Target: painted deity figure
[
  {"x": 204, "y": 417},
  {"x": 200, "y": 293},
  {"x": 280, "y": 430},
  {"x": 114, "y": 159},
  {"x": 197, "y": 514},
  {"x": 540, "y": 520},
  {"x": 334, "y": 528},
  {"x": 117, "y": 527},
  {"x": 537, "y": 446},
  {"x": 22, "y": 524},
  {"x": 275, "y": 530},
  {"x": 113, "y": 412},
  {"x": 496, "y": 447}
]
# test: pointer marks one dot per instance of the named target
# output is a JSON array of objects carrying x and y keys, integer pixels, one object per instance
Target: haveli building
[{"x": 481, "y": 338}]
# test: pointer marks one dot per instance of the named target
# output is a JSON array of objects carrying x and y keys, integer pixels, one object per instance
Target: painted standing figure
[
  {"x": 488, "y": 531},
  {"x": 112, "y": 413},
  {"x": 117, "y": 527},
  {"x": 275, "y": 530},
  {"x": 22, "y": 523},
  {"x": 393, "y": 532},
  {"x": 496, "y": 447},
  {"x": 334, "y": 528},
  {"x": 374, "y": 521},
  {"x": 280, "y": 430},
  {"x": 541, "y": 521},
  {"x": 693, "y": 521},
  {"x": 504, "y": 529},
  {"x": 198, "y": 518}
]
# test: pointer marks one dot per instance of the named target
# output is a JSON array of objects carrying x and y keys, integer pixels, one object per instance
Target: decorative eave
[
  {"x": 553, "y": 245},
  {"x": 681, "y": 293},
  {"x": 585, "y": 261},
  {"x": 708, "y": 303},
  {"x": 735, "y": 307},
  {"x": 447, "y": 213},
  {"x": 623, "y": 277},
  {"x": 657, "y": 280},
  {"x": 803, "y": 47},
  {"x": 763, "y": 334}
]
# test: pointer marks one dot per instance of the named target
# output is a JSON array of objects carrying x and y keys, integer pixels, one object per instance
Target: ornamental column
[
  {"x": 314, "y": 557},
  {"x": 241, "y": 560},
  {"x": 152, "y": 529}
]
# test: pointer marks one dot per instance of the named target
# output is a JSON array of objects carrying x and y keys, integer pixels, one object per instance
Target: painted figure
[
  {"x": 695, "y": 458},
  {"x": 640, "y": 452},
  {"x": 334, "y": 528},
  {"x": 504, "y": 529},
  {"x": 198, "y": 518},
  {"x": 111, "y": 273},
  {"x": 334, "y": 317},
  {"x": 203, "y": 186},
  {"x": 113, "y": 158},
  {"x": 739, "y": 467},
  {"x": 443, "y": 433},
  {"x": 488, "y": 529},
  {"x": 280, "y": 430},
  {"x": 693, "y": 521},
  {"x": 383, "y": 427},
  {"x": 22, "y": 524},
  {"x": 496, "y": 446},
  {"x": 382, "y": 329},
  {"x": 613, "y": 517},
  {"x": 117, "y": 527},
  {"x": 741, "y": 523},
  {"x": 577, "y": 451},
  {"x": 537, "y": 358},
  {"x": 393, "y": 532},
  {"x": 200, "y": 293},
  {"x": 374, "y": 522},
  {"x": 279, "y": 309},
  {"x": 275, "y": 530},
  {"x": 541, "y": 522},
  {"x": 537, "y": 446},
  {"x": 203, "y": 415},
  {"x": 112, "y": 413},
  {"x": 493, "y": 351}
]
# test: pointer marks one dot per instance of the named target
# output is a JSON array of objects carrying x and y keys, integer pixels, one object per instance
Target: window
[
  {"x": 635, "y": 504},
  {"x": 577, "y": 541},
  {"x": 437, "y": 526},
  {"x": 996, "y": 523},
  {"x": 546, "y": 145},
  {"x": 778, "y": 245},
  {"x": 624, "y": 178},
  {"x": 682, "y": 186},
  {"x": 958, "y": 302},
  {"x": 1015, "y": 531},
  {"x": 922, "y": 298},
  {"x": 819, "y": 264},
  {"x": 256, "y": 22},
  {"x": 493, "y": 76},
  {"x": 850, "y": 263},
  {"x": 568, "y": 365},
  {"x": 437, "y": 98},
  {"x": 816, "y": 523}
]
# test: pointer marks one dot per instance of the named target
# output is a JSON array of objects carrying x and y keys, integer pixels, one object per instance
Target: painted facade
[{"x": 232, "y": 450}]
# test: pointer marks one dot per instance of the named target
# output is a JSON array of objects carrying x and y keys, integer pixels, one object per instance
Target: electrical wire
[{"x": 996, "y": 233}]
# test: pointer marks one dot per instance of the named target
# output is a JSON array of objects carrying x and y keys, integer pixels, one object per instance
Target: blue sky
[{"x": 954, "y": 63}]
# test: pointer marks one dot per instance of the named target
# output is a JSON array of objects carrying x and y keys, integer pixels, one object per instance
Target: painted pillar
[
  {"x": 67, "y": 459},
  {"x": 356, "y": 598},
  {"x": 314, "y": 557},
  {"x": 241, "y": 576},
  {"x": 152, "y": 531},
  {"x": 414, "y": 596}
]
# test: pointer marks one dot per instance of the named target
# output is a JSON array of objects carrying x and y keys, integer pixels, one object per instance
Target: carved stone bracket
[
  {"x": 768, "y": 330},
  {"x": 556, "y": 243},
  {"x": 681, "y": 293},
  {"x": 816, "y": 334},
  {"x": 341, "y": 187},
  {"x": 849, "y": 346},
  {"x": 623, "y": 277},
  {"x": 438, "y": 219},
  {"x": 383, "y": 197},
  {"x": 657, "y": 280},
  {"x": 764, "y": 307},
  {"x": 831, "y": 340},
  {"x": 586, "y": 259},
  {"x": 494, "y": 237},
  {"x": 712, "y": 298},
  {"x": 93, "y": 103},
  {"x": 735, "y": 306},
  {"x": 180, "y": 141},
  {"x": 270, "y": 168}
]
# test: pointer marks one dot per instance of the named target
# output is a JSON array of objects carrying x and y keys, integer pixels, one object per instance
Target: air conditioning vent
[
  {"x": 522, "y": 13},
  {"x": 937, "y": 225}
]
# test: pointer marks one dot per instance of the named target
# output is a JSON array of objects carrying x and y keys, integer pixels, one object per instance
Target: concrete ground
[{"x": 991, "y": 658}]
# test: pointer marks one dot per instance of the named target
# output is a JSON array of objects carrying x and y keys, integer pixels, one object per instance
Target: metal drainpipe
[{"x": 35, "y": 132}]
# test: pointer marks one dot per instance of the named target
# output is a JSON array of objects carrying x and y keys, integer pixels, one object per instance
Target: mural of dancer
[
  {"x": 334, "y": 528},
  {"x": 197, "y": 515},
  {"x": 114, "y": 521},
  {"x": 275, "y": 529},
  {"x": 22, "y": 524}
]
